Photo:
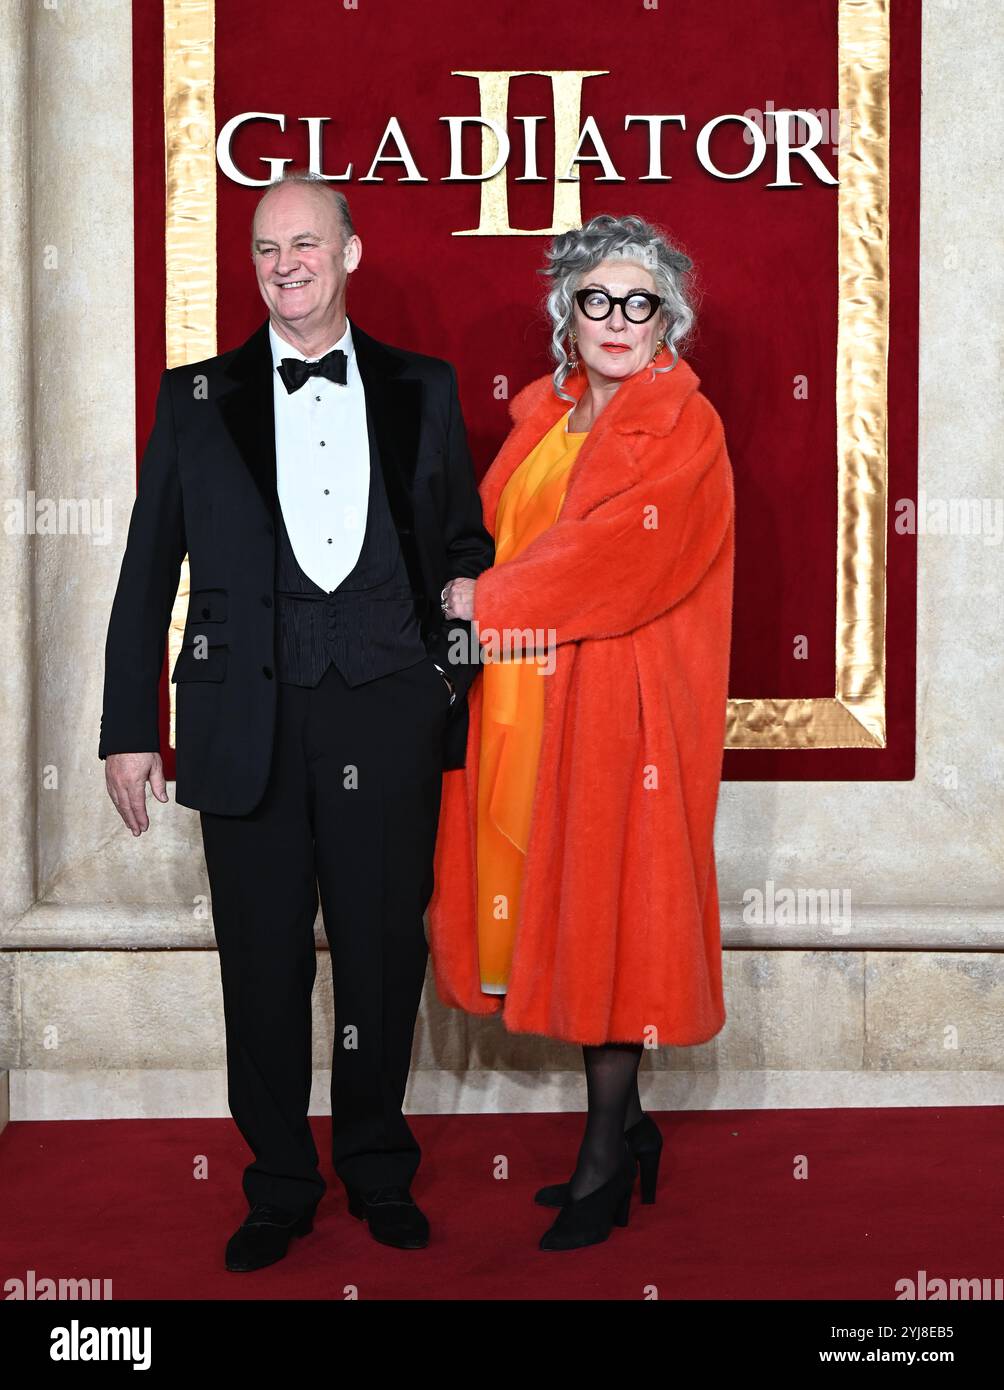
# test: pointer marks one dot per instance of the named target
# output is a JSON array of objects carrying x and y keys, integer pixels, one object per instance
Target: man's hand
[
  {"x": 126, "y": 776},
  {"x": 459, "y": 598}
]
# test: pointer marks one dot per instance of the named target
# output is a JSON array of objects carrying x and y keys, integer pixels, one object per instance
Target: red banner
[{"x": 383, "y": 80}]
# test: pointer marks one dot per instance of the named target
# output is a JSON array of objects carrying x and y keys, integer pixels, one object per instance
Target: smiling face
[
  {"x": 615, "y": 347},
  {"x": 303, "y": 261}
]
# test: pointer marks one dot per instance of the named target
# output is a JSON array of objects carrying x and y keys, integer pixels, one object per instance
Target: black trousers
[{"x": 351, "y": 808}]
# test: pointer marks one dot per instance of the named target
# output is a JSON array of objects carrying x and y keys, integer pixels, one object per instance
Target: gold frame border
[
  {"x": 855, "y": 717},
  {"x": 190, "y": 217}
]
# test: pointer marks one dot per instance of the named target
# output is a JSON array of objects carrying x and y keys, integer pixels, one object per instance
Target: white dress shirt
[{"x": 322, "y": 460}]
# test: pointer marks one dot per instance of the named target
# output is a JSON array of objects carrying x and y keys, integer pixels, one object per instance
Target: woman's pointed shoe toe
[{"x": 590, "y": 1219}]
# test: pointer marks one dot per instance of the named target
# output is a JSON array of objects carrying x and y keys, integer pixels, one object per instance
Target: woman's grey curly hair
[{"x": 575, "y": 253}]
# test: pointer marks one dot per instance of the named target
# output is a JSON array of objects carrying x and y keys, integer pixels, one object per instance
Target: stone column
[{"x": 18, "y": 804}]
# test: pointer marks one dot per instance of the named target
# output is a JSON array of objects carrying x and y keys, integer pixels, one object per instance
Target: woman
[{"x": 578, "y": 838}]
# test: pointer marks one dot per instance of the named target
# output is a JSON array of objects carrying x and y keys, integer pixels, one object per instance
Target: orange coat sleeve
[{"x": 612, "y": 570}]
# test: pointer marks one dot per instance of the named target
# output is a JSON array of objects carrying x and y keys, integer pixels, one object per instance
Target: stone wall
[{"x": 109, "y": 990}]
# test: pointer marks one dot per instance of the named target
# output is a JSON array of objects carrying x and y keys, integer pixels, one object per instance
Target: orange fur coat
[{"x": 618, "y": 932}]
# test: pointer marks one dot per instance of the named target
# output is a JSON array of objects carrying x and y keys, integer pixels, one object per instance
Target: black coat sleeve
[
  {"x": 469, "y": 548},
  {"x": 147, "y": 587}
]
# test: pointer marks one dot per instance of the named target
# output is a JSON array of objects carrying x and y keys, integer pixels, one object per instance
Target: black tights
[{"x": 614, "y": 1106}]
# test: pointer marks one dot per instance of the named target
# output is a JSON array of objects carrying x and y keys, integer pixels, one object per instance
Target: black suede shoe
[
  {"x": 392, "y": 1216},
  {"x": 588, "y": 1220},
  {"x": 645, "y": 1142},
  {"x": 264, "y": 1237}
]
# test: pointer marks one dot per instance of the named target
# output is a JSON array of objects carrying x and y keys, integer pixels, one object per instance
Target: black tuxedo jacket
[{"x": 207, "y": 486}]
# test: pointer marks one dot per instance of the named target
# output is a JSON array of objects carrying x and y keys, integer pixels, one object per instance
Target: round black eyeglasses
[{"x": 637, "y": 307}]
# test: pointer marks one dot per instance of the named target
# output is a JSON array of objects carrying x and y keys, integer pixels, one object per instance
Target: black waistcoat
[{"x": 368, "y": 626}]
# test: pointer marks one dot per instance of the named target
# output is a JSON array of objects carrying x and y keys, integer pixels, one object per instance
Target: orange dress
[{"x": 513, "y": 711}]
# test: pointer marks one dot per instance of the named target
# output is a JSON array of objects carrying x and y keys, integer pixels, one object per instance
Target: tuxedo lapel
[
  {"x": 249, "y": 413},
  {"x": 393, "y": 416}
]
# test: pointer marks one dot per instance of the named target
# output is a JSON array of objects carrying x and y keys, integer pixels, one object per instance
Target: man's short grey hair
[
  {"x": 308, "y": 176},
  {"x": 573, "y": 254}
]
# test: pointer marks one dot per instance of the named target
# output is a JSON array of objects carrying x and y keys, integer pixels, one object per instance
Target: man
[{"x": 321, "y": 484}]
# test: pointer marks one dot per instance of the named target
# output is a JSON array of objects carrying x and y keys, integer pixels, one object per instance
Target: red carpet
[{"x": 888, "y": 1193}]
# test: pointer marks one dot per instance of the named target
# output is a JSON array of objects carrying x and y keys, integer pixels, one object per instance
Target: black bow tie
[{"x": 294, "y": 371}]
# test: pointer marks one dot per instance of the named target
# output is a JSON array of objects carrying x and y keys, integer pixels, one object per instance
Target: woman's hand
[{"x": 458, "y": 595}]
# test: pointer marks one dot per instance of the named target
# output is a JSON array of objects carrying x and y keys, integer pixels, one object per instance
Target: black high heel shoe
[
  {"x": 590, "y": 1219},
  {"x": 645, "y": 1143}
]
